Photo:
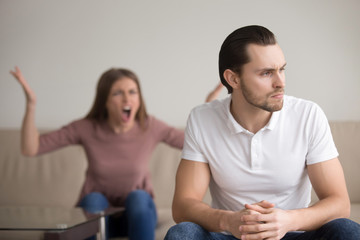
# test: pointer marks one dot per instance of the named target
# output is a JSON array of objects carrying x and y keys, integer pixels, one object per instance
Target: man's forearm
[
  {"x": 192, "y": 210},
  {"x": 320, "y": 213}
]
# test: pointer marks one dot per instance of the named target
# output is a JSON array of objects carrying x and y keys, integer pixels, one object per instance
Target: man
[{"x": 259, "y": 151}]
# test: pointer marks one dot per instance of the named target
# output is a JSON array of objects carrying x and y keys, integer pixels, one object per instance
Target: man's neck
[{"x": 248, "y": 116}]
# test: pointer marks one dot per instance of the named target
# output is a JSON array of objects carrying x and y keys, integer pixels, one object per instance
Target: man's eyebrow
[{"x": 270, "y": 69}]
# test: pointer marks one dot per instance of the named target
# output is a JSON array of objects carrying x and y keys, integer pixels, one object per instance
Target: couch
[{"x": 55, "y": 179}]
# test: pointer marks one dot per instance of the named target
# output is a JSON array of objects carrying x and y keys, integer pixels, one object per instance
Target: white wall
[{"x": 63, "y": 47}]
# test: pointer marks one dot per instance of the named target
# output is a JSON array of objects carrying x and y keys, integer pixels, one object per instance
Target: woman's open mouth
[{"x": 126, "y": 112}]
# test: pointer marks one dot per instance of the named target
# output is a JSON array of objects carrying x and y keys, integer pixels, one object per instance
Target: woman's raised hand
[
  {"x": 30, "y": 95},
  {"x": 214, "y": 94},
  {"x": 29, "y": 132}
]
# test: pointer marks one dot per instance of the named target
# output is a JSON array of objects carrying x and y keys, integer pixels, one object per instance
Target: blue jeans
[
  {"x": 138, "y": 221},
  {"x": 338, "y": 229}
]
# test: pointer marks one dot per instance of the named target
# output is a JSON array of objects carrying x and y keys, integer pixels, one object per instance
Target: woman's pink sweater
[{"x": 117, "y": 163}]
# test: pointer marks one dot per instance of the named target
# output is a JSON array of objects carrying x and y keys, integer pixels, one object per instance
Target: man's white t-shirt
[{"x": 269, "y": 165}]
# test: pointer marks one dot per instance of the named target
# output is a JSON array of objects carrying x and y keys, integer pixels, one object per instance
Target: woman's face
[{"x": 123, "y": 102}]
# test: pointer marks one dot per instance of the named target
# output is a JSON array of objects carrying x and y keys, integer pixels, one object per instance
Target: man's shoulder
[
  {"x": 295, "y": 103},
  {"x": 295, "y": 100}
]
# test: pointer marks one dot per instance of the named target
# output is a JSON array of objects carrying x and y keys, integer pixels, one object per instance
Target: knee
[
  {"x": 138, "y": 198},
  {"x": 138, "y": 194},
  {"x": 185, "y": 230},
  {"x": 139, "y": 201},
  {"x": 343, "y": 228},
  {"x": 94, "y": 202}
]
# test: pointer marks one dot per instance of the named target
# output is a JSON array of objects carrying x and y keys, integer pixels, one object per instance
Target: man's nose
[{"x": 279, "y": 80}]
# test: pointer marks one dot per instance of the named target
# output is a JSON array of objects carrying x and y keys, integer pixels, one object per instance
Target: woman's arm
[
  {"x": 214, "y": 93},
  {"x": 29, "y": 132},
  {"x": 175, "y": 137}
]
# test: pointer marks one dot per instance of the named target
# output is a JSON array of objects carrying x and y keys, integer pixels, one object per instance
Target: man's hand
[
  {"x": 235, "y": 219},
  {"x": 270, "y": 223}
]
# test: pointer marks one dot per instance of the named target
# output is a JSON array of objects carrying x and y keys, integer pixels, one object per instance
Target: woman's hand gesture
[
  {"x": 214, "y": 93},
  {"x": 30, "y": 95},
  {"x": 29, "y": 132}
]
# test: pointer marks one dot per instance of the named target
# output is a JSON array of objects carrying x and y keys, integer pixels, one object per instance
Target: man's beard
[{"x": 259, "y": 103}]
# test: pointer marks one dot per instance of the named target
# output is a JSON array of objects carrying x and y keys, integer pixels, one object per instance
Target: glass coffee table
[{"x": 55, "y": 222}]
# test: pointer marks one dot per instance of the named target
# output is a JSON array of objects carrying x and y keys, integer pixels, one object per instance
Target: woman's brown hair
[{"x": 98, "y": 110}]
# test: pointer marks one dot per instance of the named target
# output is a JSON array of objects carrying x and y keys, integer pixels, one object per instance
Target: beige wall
[{"x": 63, "y": 46}]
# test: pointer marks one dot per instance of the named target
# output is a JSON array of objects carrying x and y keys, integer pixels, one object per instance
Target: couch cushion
[
  {"x": 347, "y": 139},
  {"x": 52, "y": 179},
  {"x": 355, "y": 212},
  {"x": 163, "y": 167}
]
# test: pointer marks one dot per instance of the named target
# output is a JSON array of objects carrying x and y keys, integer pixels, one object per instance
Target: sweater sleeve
[
  {"x": 167, "y": 134},
  {"x": 62, "y": 137}
]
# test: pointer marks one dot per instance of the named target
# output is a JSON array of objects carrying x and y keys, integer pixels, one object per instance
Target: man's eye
[
  {"x": 133, "y": 92},
  {"x": 265, "y": 74}
]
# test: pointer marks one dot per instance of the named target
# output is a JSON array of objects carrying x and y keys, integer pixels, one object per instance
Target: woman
[{"x": 118, "y": 137}]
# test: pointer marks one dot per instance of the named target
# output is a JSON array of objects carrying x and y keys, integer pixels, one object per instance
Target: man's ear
[{"x": 232, "y": 78}]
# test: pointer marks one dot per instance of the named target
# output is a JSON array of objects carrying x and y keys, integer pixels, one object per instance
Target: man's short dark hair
[{"x": 233, "y": 53}]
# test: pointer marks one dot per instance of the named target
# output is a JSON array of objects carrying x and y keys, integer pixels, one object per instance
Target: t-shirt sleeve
[
  {"x": 321, "y": 143},
  {"x": 62, "y": 137},
  {"x": 192, "y": 150}
]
